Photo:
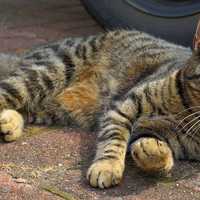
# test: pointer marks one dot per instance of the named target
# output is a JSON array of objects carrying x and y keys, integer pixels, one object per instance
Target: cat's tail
[{"x": 8, "y": 64}]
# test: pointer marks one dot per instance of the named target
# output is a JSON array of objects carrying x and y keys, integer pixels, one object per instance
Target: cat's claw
[
  {"x": 105, "y": 173},
  {"x": 11, "y": 125}
]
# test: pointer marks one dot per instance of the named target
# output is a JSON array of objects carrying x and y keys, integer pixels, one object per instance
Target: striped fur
[{"x": 141, "y": 90}]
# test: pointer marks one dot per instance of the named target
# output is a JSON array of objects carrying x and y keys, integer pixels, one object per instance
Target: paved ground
[{"x": 50, "y": 164}]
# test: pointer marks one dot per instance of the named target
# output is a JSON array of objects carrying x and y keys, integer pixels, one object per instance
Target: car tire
[{"x": 172, "y": 20}]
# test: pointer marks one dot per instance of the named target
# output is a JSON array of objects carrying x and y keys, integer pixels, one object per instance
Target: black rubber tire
[{"x": 174, "y": 21}]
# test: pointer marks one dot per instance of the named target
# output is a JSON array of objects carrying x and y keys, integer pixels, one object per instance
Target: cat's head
[
  {"x": 189, "y": 75},
  {"x": 192, "y": 68}
]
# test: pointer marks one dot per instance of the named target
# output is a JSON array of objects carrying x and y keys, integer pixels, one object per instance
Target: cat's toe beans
[
  {"x": 105, "y": 173},
  {"x": 11, "y": 125},
  {"x": 152, "y": 155}
]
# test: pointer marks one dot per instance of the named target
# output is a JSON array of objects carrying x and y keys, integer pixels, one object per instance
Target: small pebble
[{"x": 20, "y": 180}]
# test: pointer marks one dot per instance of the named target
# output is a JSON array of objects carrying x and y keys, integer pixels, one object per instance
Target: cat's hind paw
[
  {"x": 11, "y": 125},
  {"x": 105, "y": 173},
  {"x": 152, "y": 155}
]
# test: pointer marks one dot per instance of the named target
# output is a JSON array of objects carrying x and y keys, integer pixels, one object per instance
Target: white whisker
[
  {"x": 187, "y": 133},
  {"x": 198, "y": 112},
  {"x": 196, "y": 118},
  {"x": 197, "y": 128}
]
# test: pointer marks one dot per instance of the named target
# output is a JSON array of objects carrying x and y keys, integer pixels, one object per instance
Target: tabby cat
[{"x": 143, "y": 92}]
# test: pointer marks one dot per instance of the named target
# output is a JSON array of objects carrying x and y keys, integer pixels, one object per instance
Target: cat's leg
[
  {"x": 29, "y": 86},
  {"x": 156, "y": 143},
  {"x": 17, "y": 92},
  {"x": 109, "y": 163},
  {"x": 11, "y": 122}
]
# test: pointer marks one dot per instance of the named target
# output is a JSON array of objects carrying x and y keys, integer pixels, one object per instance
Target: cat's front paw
[
  {"x": 152, "y": 155},
  {"x": 105, "y": 173},
  {"x": 11, "y": 125}
]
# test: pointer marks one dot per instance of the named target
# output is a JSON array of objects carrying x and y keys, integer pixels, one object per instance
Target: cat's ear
[{"x": 196, "y": 40}]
